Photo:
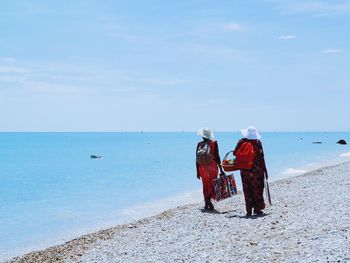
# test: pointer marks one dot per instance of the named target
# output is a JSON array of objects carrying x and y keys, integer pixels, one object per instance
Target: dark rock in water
[
  {"x": 341, "y": 142},
  {"x": 95, "y": 156},
  {"x": 317, "y": 142}
]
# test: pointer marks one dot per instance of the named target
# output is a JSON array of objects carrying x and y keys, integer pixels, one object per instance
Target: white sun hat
[
  {"x": 206, "y": 133},
  {"x": 251, "y": 133}
]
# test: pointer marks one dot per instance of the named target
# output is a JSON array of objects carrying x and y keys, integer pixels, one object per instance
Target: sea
[{"x": 51, "y": 190}]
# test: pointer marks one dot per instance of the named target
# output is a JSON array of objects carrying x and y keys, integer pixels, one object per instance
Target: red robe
[
  {"x": 209, "y": 172},
  {"x": 253, "y": 180}
]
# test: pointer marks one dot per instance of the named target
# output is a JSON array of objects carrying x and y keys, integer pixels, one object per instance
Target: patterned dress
[
  {"x": 253, "y": 180},
  {"x": 209, "y": 172}
]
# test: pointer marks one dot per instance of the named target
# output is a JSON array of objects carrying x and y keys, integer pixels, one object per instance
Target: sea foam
[
  {"x": 293, "y": 171},
  {"x": 347, "y": 154}
]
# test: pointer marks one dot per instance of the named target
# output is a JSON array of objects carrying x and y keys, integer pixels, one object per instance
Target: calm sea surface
[{"x": 51, "y": 190}]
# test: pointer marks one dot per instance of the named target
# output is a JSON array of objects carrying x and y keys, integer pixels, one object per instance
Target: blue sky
[{"x": 158, "y": 65}]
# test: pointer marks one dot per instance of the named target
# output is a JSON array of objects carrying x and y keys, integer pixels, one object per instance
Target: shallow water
[{"x": 51, "y": 190}]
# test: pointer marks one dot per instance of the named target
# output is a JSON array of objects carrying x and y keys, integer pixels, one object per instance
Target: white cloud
[
  {"x": 16, "y": 70},
  {"x": 216, "y": 51},
  {"x": 12, "y": 78},
  {"x": 331, "y": 51},
  {"x": 316, "y": 8},
  {"x": 287, "y": 37},
  {"x": 117, "y": 31},
  {"x": 163, "y": 82},
  {"x": 52, "y": 88},
  {"x": 307, "y": 7},
  {"x": 216, "y": 28},
  {"x": 8, "y": 59},
  {"x": 235, "y": 27}
]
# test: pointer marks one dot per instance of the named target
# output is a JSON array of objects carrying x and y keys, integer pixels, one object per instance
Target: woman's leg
[
  {"x": 208, "y": 174},
  {"x": 258, "y": 194},
  {"x": 247, "y": 190}
]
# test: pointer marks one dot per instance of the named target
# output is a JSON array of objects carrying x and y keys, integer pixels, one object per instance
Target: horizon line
[{"x": 169, "y": 131}]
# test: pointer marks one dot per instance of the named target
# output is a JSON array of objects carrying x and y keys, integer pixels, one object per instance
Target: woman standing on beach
[
  {"x": 207, "y": 163},
  {"x": 253, "y": 179}
]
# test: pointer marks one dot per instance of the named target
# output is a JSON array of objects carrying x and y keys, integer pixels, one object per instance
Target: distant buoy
[
  {"x": 343, "y": 142},
  {"x": 93, "y": 156}
]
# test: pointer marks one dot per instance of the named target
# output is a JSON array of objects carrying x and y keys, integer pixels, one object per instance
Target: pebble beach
[{"x": 309, "y": 221}]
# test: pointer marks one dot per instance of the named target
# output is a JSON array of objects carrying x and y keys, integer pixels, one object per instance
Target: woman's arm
[
  {"x": 237, "y": 146},
  {"x": 217, "y": 157},
  {"x": 262, "y": 159},
  {"x": 198, "y": 176}
]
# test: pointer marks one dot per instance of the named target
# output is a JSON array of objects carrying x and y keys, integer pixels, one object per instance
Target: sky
[{"x": 156, "y": 65}]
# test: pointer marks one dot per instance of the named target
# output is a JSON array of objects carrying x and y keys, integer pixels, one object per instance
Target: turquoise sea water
[{"x": 51, "y": 190}]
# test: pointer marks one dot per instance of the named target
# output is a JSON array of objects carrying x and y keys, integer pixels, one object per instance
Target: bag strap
[{"x": 226, "y": 155}]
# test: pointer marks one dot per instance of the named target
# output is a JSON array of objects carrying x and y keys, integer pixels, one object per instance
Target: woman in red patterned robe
[
  {"x": 207, "y": 163},
  {"x": 253, "y": 179}
]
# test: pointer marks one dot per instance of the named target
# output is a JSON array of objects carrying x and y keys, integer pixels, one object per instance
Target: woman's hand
[{"x": 221, "y": 170}]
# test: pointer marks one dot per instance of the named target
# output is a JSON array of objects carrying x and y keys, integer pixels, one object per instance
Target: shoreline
[
  {"x": 77, "y": 248},
  {"x": 69, "y": 215}
]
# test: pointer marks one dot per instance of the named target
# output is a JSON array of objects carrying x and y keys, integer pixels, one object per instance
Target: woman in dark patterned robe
[{"x": 253, "y": 179}]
